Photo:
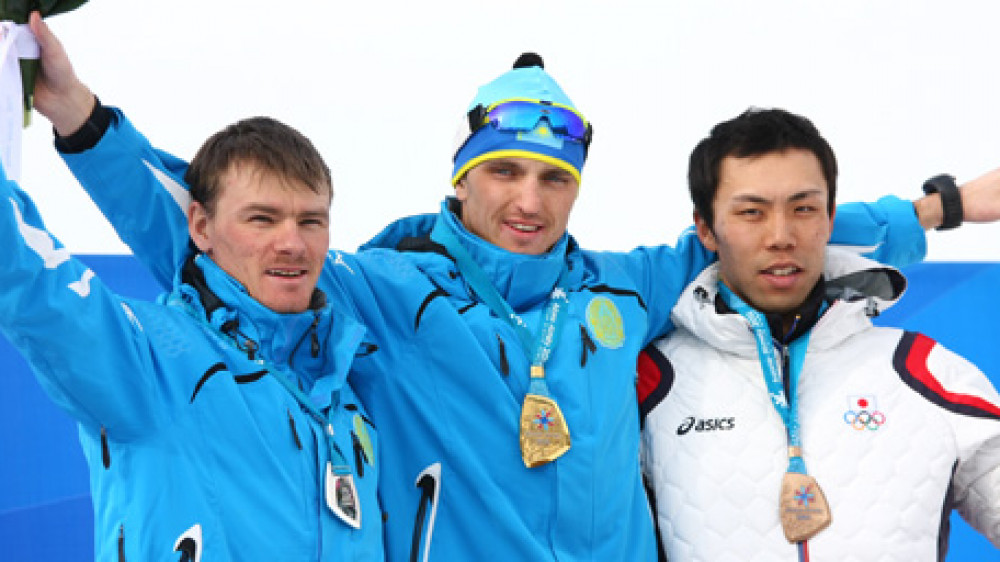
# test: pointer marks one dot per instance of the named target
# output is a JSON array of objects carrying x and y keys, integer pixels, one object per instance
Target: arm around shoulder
[
  {"x": 887, "y": 231},
  {"x": 946, "y": 205},
  {"x": 892, "y": 230}
]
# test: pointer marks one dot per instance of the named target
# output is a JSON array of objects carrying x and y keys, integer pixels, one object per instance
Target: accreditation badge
[
  {"x": 342, "y": 497},
  {"x": 544, "y": 433},
  {"x": 804, "y": 511}
]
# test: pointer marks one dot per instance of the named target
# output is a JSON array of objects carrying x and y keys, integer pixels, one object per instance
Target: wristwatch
[{"x": 951, "y": 199}]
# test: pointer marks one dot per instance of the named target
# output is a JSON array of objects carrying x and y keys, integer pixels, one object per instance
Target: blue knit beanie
[{"x": 527, "y": 81}]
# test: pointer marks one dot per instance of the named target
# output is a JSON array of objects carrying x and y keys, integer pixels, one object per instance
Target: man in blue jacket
[
  {"x": 217, "y": 423},
  {"x": 504, "y": 377}
]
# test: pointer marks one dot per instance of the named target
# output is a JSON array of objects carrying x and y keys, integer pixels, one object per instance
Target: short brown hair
[{"x": 260, "y": 141}]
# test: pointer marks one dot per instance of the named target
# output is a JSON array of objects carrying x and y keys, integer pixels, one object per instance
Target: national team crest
[
  {"x": 605, "y": 322},
  {"x": 541, "y": 135},
  {"x": 863, "y": 413}
]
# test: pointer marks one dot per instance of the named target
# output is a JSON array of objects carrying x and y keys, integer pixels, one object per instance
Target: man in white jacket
[{"x": 778, "y": 423}]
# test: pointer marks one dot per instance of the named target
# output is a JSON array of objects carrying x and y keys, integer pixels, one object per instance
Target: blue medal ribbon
[
  {"x": 537, "y": 347},
  {"x": 770, "y": 363},
  {"x": 338, "y": 465},
  {"x": 338, "y": 462}
]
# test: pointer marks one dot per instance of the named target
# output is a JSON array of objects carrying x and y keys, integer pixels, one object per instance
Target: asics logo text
[{"x": 707, "y": 424}]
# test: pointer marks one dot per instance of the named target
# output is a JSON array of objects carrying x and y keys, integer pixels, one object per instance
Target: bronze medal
[
  {"x": 804, "y": 511},
  {"x": 544, "y": 433},
  {"x": 342, "y": 497}
]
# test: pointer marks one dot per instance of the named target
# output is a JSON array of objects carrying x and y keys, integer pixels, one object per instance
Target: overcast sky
[{"x": 902, "y": 89}]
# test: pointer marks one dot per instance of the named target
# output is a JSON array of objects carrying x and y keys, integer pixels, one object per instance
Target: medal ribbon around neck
[
  {"x": 770, "y": 363},
  {"x": 341, "y": 494},
  {"x": 544, "y": 433},
  {"x": 803, "y": 507}
]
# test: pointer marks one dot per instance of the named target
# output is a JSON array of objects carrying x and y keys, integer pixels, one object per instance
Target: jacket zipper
[
  {"x": 313, "y": 341},
  {"x": 314, "y": 337},
  {"x": 105, "y": 450},
  {"x": 295, "y": 433},
  {"x": 121, "y": 543},
  {"x": 504, "y": 364},
  {"x": 785, "y": 381},
  {"x": 589, "y": 346}
]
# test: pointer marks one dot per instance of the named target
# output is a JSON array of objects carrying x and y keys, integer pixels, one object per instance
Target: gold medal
[
  {"x": 544, "y": 433},
  {"x": 804, "y": 511}
]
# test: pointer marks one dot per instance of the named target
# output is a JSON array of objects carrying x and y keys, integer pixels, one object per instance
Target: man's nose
[
  {"x": 289, "y": 237},
  {"x": 781, "y": 231},
  {"x": 529, "y": 196}
]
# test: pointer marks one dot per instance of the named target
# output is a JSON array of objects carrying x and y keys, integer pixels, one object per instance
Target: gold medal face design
[
  {"x": 804, "y": 511},
  {"x": 544, "y": 434}
]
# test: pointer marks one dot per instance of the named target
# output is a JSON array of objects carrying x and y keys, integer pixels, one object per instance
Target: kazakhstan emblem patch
[{"x": 605, "y": 322}]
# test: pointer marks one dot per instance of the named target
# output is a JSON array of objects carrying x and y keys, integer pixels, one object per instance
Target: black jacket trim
[
  {"x": 602, "y": 288},
  {"x": 910, "y": 362},
  {"x": 218, "y": 367},
  {"x": 89, "y": 134},
  {"x": 438, "y": 292},
  {"x": 250, "y": 377}
]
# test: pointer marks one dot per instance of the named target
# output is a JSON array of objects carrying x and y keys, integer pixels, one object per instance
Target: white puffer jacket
[{"x": 896, "y": 429}]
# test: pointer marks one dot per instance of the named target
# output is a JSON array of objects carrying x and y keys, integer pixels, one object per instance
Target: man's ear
[
  {"x": 462, "y": 189},
  {"x": 198, "y": 227},
  {"x": 705, "y": 233}
]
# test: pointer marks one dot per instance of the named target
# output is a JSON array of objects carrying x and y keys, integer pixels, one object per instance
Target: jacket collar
[
  {"x": 856, "y": 289},
  {"x": 317, "y": 345},
  {"x": 808, "y": 314},
  {"x": 523, "y": 280}
]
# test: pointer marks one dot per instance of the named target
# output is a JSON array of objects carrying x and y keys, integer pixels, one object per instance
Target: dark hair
[
  {"x": 755, "y": 132},
  {"x": 263, "y": 142}
]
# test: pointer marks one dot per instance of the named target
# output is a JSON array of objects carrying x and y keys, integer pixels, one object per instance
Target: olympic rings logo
[{"x": 864, "y": 419}]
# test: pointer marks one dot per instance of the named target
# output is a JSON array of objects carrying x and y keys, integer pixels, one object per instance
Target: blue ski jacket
[
  {"x": 448, "y": 380},
  {"x": 195, "y": 449}
]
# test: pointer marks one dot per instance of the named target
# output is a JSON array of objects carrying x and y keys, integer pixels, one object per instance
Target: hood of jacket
[
  {"x": 856, "y": 290},
  {"x": 524, "y": 280},
  {"x": 317, "y": 345}
]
